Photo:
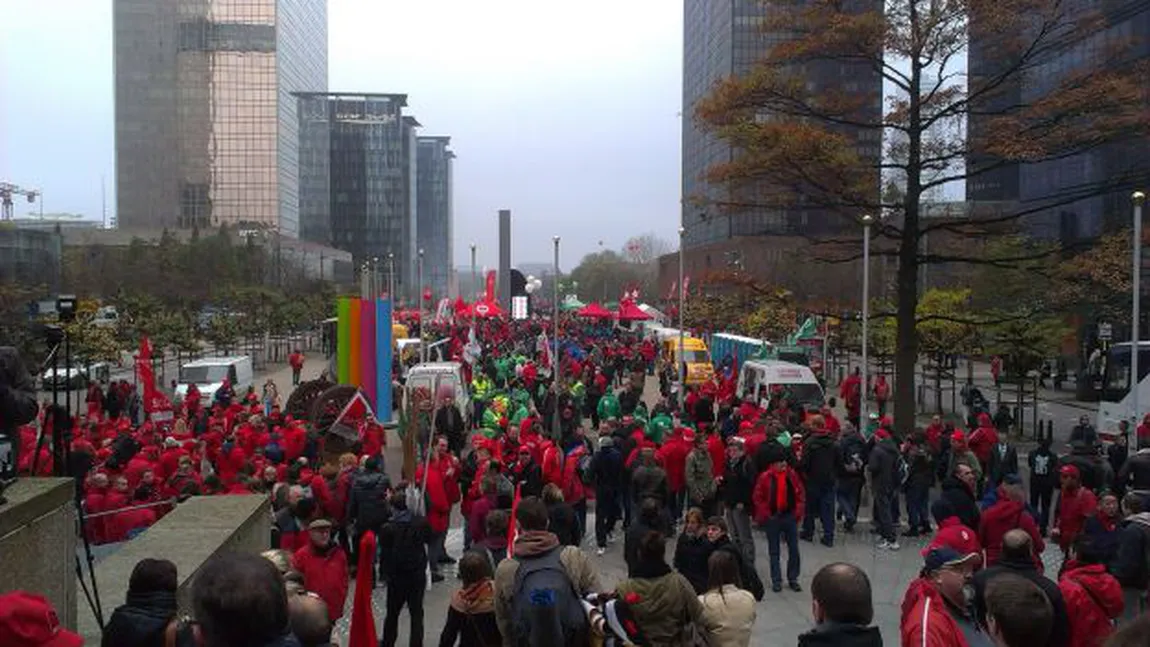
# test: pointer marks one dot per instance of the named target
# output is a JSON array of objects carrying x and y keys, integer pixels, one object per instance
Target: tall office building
[
  {"x": 205, "y": 117},
  {"x": 356, "y": 179},
  {"x": 1077, "y": 197},
  {"x": 723, "y": 38},
  {"x": 435, "y": 216}
]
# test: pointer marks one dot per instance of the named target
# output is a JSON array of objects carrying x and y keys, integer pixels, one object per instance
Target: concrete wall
[
  {"x": 188, "y": 536},
  {"x": 38, "y": 542}
]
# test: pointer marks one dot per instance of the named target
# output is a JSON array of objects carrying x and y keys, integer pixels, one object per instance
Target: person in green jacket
[
  {"x": 658, "y": 427},
  {"x": 608, "y": 406}
]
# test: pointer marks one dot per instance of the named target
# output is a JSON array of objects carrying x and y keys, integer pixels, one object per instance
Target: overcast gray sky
[{"x": 565, "y": 113}]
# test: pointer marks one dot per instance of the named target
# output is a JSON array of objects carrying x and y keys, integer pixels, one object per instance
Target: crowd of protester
[{"x": 683, "y": 483}]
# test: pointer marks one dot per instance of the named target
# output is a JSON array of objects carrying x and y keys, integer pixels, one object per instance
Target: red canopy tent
[
  {"x": 594, "y": 311},
  {"x": 628, "y": 311}
]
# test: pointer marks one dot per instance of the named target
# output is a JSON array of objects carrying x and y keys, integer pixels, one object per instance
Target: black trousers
[
  {"x": 606, "y": 515},
  {"x": 404, "y": 591}
]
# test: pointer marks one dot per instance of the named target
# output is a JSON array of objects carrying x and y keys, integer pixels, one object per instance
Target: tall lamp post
[
  {"x": 1139, "y": 199},
  {"x": 867, "y": 221},
  {"x": 391, "y": 277},
  {"x": 419, "y": 300},
  {"x": 555, "y": 341},
  {"x": 375, "y": 278},
  {"x": 474, "y": 275},
  {"x": 682, "y": 365}
]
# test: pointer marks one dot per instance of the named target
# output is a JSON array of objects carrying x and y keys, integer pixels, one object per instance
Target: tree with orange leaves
[{"x": 798, "y": 142}]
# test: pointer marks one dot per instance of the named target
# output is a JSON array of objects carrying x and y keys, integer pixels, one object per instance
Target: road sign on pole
[{"x": 1105, "y": 332}]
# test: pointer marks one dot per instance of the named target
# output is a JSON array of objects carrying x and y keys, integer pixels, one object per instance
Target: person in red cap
[
  {"x": 935, "y": 612},
  {"x": 1075, "y": 505},
  {"x": 28, "y": 620}
]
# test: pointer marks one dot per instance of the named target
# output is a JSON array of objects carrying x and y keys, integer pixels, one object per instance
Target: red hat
[
  {"x": 958, "y": 538},
  {"x": 1068, "y": 470},
  {"x": 958, "y": 437},
  {"x": 28, "y": 620},
  {"x": 746, "y": 425},
  {"x": 882, "y": 434},
  {"x": 688, "y": 434}
]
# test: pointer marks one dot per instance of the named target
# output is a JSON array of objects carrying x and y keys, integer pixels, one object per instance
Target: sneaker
[
  {"x": 600, "y": 551},
  {"x": 892, "y": 545},
  {"x": 883, "y": 545},
  {"x": 806, "y": 536},
  {"x": 828, "y": 542},
  {"x": 913, "y": 532},
  {"x": 849, "y": 526},
  {"x": 796, "y": 587},
  {"x": 777, "y": 587}
]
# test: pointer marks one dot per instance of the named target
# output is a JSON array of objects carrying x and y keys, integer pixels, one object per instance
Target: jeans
[
  {"x": 1040, "y": 500},
  {"x": 821, "y": 504},
  {"x": 407, "y": 591},
  {"x": 295, "y": 376},
  {"x": 882, "y": 514},
  {"x": 848, "y": 494},
  {"x": 436, "y": 550},
  {"x": 894, "y": 511},
  {"x": 606, "y": 515},
  {"x": 918, "y": 507},
  {"x": 580, "y": 508},
  {"x": 675, "y": 506},
  {"x": 739, "y": 528},
  {"x": 785, "y": 527}
]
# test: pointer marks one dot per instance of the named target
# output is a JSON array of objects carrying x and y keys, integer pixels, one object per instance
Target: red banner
[
  {"x": 489, "y": 290},
  {"x": 154, "y": 400}
]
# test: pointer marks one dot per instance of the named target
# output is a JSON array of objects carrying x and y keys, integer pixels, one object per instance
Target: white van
[
  {"x": 432, "y": 375},
  {"x": 208, "y": 375},
  {"x": 760, "y": 376}
]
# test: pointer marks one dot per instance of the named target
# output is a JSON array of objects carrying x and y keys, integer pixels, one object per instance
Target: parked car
[{"x": 75, "y": 376}]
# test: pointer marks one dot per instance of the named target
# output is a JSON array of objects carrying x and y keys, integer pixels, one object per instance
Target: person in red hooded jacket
[
  {"x": 574, "y": 492},
  {"x": 673, "y": 457},
  {"x": 780, "y": 501},
  {"x": 323, "y": 564},
  {"x": 1093, "y": 597},
  {"x": 1007, "y": 513},
  {"x": 438, "y": 505},
  {"x": 983, "y": 439},
  {"x": 1075, "y": 505}
]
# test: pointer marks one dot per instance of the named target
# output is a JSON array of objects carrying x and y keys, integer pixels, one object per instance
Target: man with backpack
[
  {"x": 539, "y": 588},
  {"x": 403, "y": 551}
]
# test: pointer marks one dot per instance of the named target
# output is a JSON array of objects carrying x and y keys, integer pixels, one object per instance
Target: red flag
[
  {"x": 512, "y": 531},
  {"x": 489, "y": 288},
  {"x": 362, "y": 630},
  {"x": 356, "y": 409},
  {"x": 146, "y": 376}
]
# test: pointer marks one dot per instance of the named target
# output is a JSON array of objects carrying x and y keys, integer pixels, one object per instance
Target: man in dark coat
[
  {"x": 1017, "y": 558},
  {"x": 958, "y": 490},
  {"x": 883, "y": 470},
  {"x": 143, "y": 619},
  {"x": 450, "y": 424},
  {"x": 607, "y": 471},
  {"x": 367, "y": 501},
  {"x": 403, "y": 543},
  {"x": 1043, "y": 481},
  {"x": 822, "y": 461},
  {"x": 17, "y": 406}
]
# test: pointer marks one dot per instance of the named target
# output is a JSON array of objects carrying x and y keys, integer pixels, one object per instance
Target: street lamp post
[
  {"x": 1139, "y": 199},
  {"x": 555, "y": 341},
  {"x": 682, "y": 365},
  {"x": 391, "y": 277},
  {"x": 375, "y": 278},
  {"x": 867, "y": 221},
  {"x": 419, "y": 300},
  {"x": 474, "y": 275}
]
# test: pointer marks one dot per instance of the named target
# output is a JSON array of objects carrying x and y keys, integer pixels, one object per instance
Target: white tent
[{"x": 655, "y": 314}]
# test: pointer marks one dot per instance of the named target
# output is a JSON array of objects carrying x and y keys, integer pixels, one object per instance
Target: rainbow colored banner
[{"x": 364, "y": 350}]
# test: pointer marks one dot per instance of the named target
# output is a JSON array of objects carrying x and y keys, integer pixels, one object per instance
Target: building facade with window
[
  {"x": 206, "y": 125},
  {"x": 357, "y": 174},
  {"x": 435, "y": 227}
]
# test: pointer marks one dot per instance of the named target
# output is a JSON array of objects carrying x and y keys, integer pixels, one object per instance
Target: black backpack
[{"x": 546, "y": 609}]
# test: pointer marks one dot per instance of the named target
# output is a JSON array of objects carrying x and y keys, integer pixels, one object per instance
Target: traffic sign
[{"x": 1105, "y": 331}]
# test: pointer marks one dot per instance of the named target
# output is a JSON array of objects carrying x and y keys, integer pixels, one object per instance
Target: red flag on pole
[
  {"x": 512, "y": 531},
  {"x": 356, "y": 408},
  {"x": 362, "y": 630}
]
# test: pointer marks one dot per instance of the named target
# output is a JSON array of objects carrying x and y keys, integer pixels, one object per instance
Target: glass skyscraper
[
  {"x": 206, "y": 124},
  {"x": 435, "y": 219},
  {"x": 357, "y": 179},
  {"x": 723, "y": 38}
]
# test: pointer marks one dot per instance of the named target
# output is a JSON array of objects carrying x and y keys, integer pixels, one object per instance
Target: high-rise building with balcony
[
  {"x": 435, "y": 218},
  {"x": 357, "y": 175},
  {"x": 206, "y": 125}
]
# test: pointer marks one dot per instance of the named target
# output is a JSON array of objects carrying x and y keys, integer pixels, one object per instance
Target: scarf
[
  {"x": 780, "y": 491},
  {"x": 475, "y": 599}
]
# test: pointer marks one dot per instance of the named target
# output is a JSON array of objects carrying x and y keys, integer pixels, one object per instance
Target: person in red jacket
[
  {"x": 1093, "y": 597},
  {"x": 323, "y": 565},
  {"x": 438, "y": 513},
  {"x": 673, "y": 457},
  {"x": 935, "y": 612},
  {"x": 779, "y": 504},
  {"x": 1075, "y": 505},
  {"x": 982, "y": 441},
  {"x": 1008, "y": 513},
  {"x": 296, "y": 362}
]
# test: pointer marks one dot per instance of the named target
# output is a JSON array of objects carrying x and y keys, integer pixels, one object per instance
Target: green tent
[{"x": 571, "y": 303}]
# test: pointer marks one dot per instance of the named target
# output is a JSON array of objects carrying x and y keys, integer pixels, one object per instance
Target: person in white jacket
[{"x": 729, "y": 609}]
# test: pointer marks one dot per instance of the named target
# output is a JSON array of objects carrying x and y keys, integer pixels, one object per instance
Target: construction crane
[{"x": 7, "y": 190}]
